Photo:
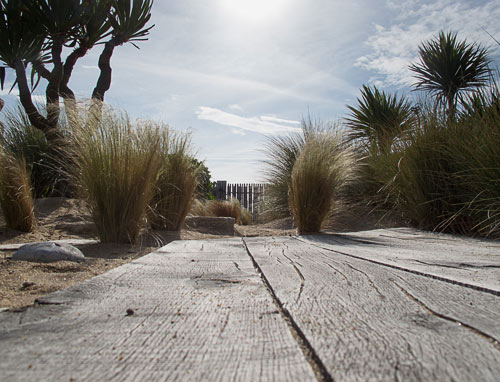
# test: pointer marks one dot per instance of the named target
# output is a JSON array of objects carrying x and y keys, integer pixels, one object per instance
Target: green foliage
[
  {"x": 448, "y": 69},
  {"x": 34, "y": 33},
  {"x": 379, "y": 119},
  {"x": 22, "y": 139},
  {"x": 15, "y": 192},
  {"x": 323, "y": 168},
  {"x": 129, "y": 19},
  {"x": 116, "y": 167},
  {"x": 20, "y": 39},
  {"x": 177, "y": 182},
  {"x": 443, "y": 173},
  {"x": 445, "y": 176},
  {"x": 204, "y": 188}
]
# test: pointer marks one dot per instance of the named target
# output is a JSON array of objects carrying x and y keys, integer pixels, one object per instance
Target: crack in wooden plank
[
  {"x": 458, "y": 265},
  {"x": 370, "y": 281},
  {"x": 495, "y": 342},
  {"x": 454, "y": 282},
  {"x": 339, "y": 272},
  {"x": 302, "y": 279},
  {"x": 319, "y": 369}
]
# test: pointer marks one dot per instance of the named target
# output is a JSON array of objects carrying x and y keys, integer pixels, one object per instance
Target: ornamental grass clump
[
  {"x": 116, "y": 164},
  {"x": 21, "y": 138},
  {"x": 15, "y": 192},
  {"x": 323, "y": 168},
  {"x": 445, "y": 176},
  {"x": 176, "y": 184},
  {"x": 282, "y": 152},
  {"x": 225, "y": 208}
]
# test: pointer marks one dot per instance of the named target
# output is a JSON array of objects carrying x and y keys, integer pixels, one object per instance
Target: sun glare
[{"x": 253, "y": 11}]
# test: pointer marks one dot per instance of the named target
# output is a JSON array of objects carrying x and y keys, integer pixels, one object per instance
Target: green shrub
[
  {"x": 116, "y": 165},
  {"x": 176, "y": 185},
  {"x": 43, "y": 165},
  {"x": 324, "y": 166},
  {"x": 15, "y": 192},
  {"x": 445, "y": 176}
]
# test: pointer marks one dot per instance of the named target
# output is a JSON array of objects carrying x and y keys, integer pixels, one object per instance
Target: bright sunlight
[{"x": 253, "y": 11}]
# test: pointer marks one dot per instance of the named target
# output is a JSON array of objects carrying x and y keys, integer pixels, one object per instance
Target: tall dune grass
[
  {"x": 116, "y": 164},
  {"x": 282, "y": 153},
  {"x": 324, "y": 166},
  {"x": 15, "y": 192},
  {"x": 223, "y": 208},
  {"x": 445, "y": 176},
  {"x": 43, "y": 165},
  {"x": 176, "y": 185}
]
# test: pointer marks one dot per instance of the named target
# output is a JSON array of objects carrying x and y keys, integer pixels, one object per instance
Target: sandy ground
[{"x": 22, "y": 282}]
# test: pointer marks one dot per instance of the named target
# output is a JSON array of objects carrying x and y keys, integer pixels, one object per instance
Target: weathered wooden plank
[
  {"x": 371, "y": 322},
  {"x": 201, "y": 312},
  {"x": 463, "y": 260}
]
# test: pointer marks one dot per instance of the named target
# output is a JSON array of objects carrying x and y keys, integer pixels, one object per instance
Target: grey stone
[
  {"x": 48, "y": 252},
  {"x": 210, "y": 225}
]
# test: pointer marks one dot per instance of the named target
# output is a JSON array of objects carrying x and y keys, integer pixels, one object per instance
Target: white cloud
[
  {"x": 236, "y": 107},
  {"x": 262, "y": 125},
  {"x": 395, "y": 47},
  {"x": 279, "y": 120}
]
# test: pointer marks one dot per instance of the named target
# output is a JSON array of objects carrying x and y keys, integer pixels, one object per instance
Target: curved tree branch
[
  {"x": 104, "y": 81},
  {"x": 36, "y": 119},
  {"x": 41, "y": 69}
]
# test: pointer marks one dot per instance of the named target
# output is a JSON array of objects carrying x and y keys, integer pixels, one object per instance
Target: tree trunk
[
  {"x": 52, "y": 92},
  {"x": 104, "y": 81},
  {"x": 51, "y": 133},
  {"x": 65, "y": 91},
  {"x": 36, "y": 119}
]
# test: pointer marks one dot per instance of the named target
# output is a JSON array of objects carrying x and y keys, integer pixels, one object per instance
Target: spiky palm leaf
[
  {"x": 379, "y": 118},
  {"x": 129, "y": 18},
  {"x": 96, "y": 22},
  {"x": 20, "y": 38},
  {"x": 449, "y": 68}
]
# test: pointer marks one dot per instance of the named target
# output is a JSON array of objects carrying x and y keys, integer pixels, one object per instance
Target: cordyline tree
[
  {"x": 35, "y": 33},
  {"x": 449, "y": 69}
]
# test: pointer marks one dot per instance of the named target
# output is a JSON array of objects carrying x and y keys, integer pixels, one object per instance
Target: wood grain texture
[
  {"x": 369, "y": 322},
  {"x": 201, "y": 313},
  {"x": 463, "y": 260}
]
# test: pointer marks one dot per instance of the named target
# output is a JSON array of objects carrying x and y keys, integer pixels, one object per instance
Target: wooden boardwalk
[{"x": 384, "y": 305}]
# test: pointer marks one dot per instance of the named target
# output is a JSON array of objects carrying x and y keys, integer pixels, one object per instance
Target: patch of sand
[{"x": 22, "y": 282}]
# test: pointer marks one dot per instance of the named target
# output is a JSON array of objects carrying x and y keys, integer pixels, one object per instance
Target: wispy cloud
[
  {"x": 395, "y": 47},
  {"x": 263, "y": 125},
  {"x": 279, "y": 120}
]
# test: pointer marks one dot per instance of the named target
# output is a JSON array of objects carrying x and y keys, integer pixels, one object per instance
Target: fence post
[
  {"x": 250, "y": 197},
  {"x": 221, "y": 190},
  {"x": 245, "y": 196}
]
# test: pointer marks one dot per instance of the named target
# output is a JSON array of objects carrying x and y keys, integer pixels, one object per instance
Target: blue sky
[{"x": 233, "y": 71}]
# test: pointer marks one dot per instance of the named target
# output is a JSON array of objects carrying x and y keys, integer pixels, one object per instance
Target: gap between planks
[
  {"x": 435, "y": 277},
  {"x": 317, "y": 365}
]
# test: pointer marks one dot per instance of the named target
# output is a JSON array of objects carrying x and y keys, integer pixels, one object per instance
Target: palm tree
[
  {"x": 449, "y": 69},
  {"x": 35, "y": 32},
  {"x": 379, "y": 118}
]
